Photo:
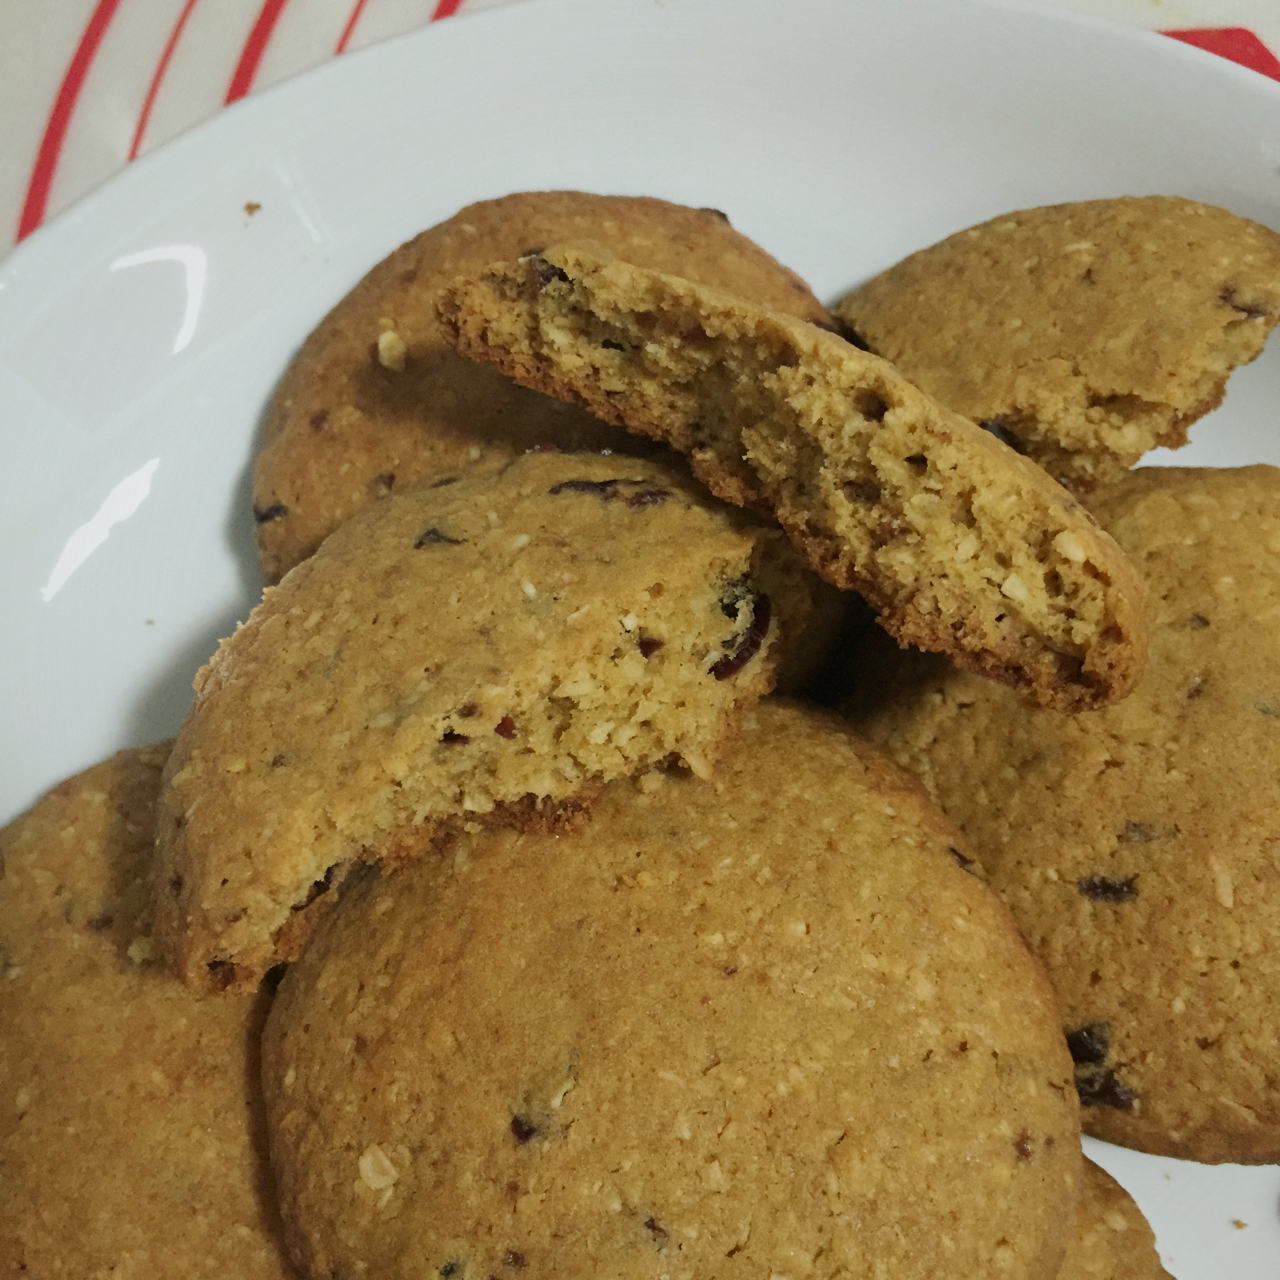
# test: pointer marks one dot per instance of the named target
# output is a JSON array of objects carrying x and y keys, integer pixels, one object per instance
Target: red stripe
[
  {"x": 154, "y": 87},
  {"x": 350, "y": 27},
  {"x": 254, "y": 47},
  {"x": 1235, "y": 43},
  {"x": 55, "y": 130},
  {"x": 445, "y": 9}
]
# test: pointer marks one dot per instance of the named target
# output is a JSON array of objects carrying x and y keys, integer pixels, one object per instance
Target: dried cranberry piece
[
  {"x": 505, "y": 728},
  {"x": 751, "y": 641},
  {"x": 522, "y": 1129},
  {"x": 435, "y": 537},
  {"x": 545, "y": 272},
  {"x": 454, "y": 739},
  {"x": 649, "y": 645},
  {"x": 1090, "y": 1043},
  {"x": 1109, "y": 888}
]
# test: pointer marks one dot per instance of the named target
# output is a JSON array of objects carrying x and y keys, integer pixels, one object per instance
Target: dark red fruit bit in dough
[
  {"x": 1108, "y": 888},
  {"x": 454, "y": 739},
  {"x": 649, "y": 645},
  {"x": 1250, "y": 309},
  {"x": 222, "y": 973},
  {"x": 276, "y": 511},
  {"x": 545, "y": 272},
  {"x": 1198, "y": 622},
  {"x": 435, "y": 537},
  {"x": 1022, "y": 1145},
  {"x": 1090, "y": 1043},
  {"x": 522, "y": 1130},
  {"x": 752, "y": 639},
  {"x": 635, "y": 493},
  {"x": 318, "y": 419},
  {"x": 1098, "y": 1087},
  {"x": 657, "y": 1230},
  {"x": 505, "y": 728},
  {"x": 514, "y": 1258}
]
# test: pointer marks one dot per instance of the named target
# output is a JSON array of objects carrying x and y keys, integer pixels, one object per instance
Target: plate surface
[{"x": 142, "y": 332}]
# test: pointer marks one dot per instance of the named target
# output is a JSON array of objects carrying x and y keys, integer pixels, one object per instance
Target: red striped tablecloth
[{"x": 92, "y": 84}]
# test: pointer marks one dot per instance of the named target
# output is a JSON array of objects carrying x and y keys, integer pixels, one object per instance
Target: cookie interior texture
[
  {"x": 1112, "y": 1240},
  {"x": 958, "y": 543},
  {"x": 757, "y": 1024},
  {"x": 478, "y": 650},
  {"x": 1136, "y": 846},
  {"x": 1087, "y": 333},
  {"x": 376, "y": 400},
  {"x": 132, "y": 1138}
]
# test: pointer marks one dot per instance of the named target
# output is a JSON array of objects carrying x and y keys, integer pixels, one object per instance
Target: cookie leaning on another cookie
[
  {"x": 1086, "y": 333},
  {"x": 761, "y": 1024},
  {"x": 1112, "y": 1240},
  {"x": 376, "y": 400},
  {"x": 477, "y": 650},
  {"x": 131, "y": 1136},
  {"x": 958, "y": 543},
  {"x": 1137, "y": 846}
]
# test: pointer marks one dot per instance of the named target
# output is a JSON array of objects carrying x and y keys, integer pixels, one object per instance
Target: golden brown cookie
[
  {"x": 375, "y": 400},
  {"x": 757, "y": 1025},
  {"x": 1138, "y": 846},
  {"x": 1086, "y": 334},
  {"x": 959, "y": 544},
  {"x": 1112, "y": 1240},
  {"x": 482, "y": 650},
  {"x": 131, "y": 1135}
]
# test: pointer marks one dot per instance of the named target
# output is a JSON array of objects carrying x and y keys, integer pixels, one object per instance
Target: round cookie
[
  {"x": 478, "y": 650},
  {"x": 1084, "y": 334},
  {"x": 375, "y": 400},
  {"x": 1137, "y": 846},
  {"x": 131, "y": 1136},
  {"x": 1112, "y": 1240},
  {"x": 762, "y": 1024}
]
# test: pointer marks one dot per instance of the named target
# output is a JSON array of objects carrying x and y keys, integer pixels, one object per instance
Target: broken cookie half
[
  {"x": 960, "y": 545},
  {"x": 479, "y": 651},
  {"x": 1086, "y": 334}
]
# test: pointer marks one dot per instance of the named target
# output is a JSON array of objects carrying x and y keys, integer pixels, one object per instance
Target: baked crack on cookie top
[
  {"x": 132, "y": 1136},
  {"x": 761, "y": 1024},
  {"x": 1085, "y": 334},
  {"x": 376, "y": 400},
  {"x": 480, "y": 649},
  {"x": 958, "y": 543},
  {"x": 1137, "y": 847}
]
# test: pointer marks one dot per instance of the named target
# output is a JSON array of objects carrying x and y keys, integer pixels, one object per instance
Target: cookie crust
[
  {"x": 958, "y": 543},
  {"x": 478, "y": 650},
  {"x": 722, "y": 1030},
  {"x": 1086, "y": 334},
  {"x": 376, "y": 401}
]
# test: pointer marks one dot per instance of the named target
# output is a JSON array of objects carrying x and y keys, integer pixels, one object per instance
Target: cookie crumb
[{"x": 251, "y": 207}]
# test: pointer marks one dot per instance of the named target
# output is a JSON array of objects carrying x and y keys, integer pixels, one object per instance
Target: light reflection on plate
[{"x": 841, "y": 134}]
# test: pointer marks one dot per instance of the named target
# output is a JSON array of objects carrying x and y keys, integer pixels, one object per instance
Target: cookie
[
  {"x": 958, "y": 543},
  {"x": 476, "y": 650},
  {"x": 1112, "y": 1240},
  {"x": 762, "y": 1024},
  {"x": 376, "y": 401},
  {"x": 1137, "y": 846},
  {"x": 131, "y": 1136},
  {"x": 1085, "y": 334}
]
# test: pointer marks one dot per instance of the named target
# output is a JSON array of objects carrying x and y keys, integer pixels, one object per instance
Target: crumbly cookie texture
[
  {"x": 132, "y": 1138},
  {"x": 1086, "y": 334},
  {"x": 376, "y": 400},
  {"x": 484, "y": 650},
  {"x": 959, "y": 544},
  {"x": 1137, "y": 847},
  {"x": 1112, "y": 1240},
  {"x": 762, "y": 1024}
]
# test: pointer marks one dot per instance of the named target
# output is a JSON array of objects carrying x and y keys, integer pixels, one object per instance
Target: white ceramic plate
[{"x": 142, "y": 332}]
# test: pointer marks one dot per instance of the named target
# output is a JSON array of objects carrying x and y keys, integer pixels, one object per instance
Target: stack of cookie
[{"x": 591, "y": 958}]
